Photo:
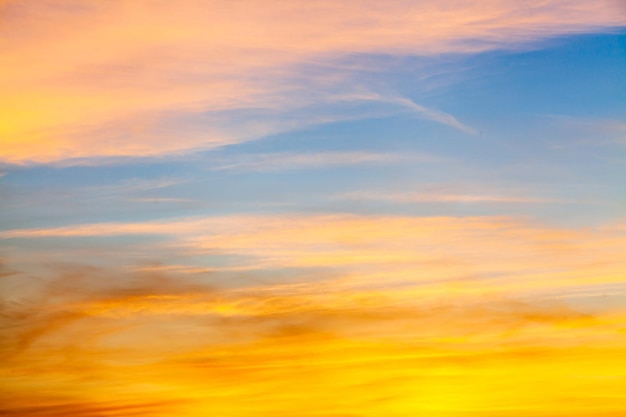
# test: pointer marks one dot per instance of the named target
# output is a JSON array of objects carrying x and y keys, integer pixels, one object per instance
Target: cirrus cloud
[{"x": 85, "y": 79}]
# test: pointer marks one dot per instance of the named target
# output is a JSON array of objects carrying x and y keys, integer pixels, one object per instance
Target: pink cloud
[{"x": 87, "y": 79}]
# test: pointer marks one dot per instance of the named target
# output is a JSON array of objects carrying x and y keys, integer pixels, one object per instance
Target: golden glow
[{"x": 401, "y": 327}]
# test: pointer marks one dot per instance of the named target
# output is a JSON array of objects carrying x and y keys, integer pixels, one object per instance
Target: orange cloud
[
  {"x": 436, "y": 255},
  {"x": 60, "y": 408},
  {"x": 106, "y": 79},
  {"x": 290, "y": 349}
]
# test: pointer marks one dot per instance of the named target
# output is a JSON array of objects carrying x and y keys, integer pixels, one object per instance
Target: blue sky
[{"x": 548, "y": 120}]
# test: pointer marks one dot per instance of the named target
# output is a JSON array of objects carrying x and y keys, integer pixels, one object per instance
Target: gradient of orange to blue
[{"x": 320, "y": 208}]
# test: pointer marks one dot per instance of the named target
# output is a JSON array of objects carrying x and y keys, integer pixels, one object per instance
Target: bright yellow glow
[{"x": 504, "y": 321}]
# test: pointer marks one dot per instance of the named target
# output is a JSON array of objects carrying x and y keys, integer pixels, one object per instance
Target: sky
[{"x": 352, "y": 208}]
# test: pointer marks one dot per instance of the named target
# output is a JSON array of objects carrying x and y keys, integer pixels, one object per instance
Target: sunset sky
[{"x": 320, "y": 208}]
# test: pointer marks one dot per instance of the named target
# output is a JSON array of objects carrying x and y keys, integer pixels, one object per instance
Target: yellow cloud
[
  {"x": 292, "y": 349},
  {"x": 470, "y": 254}
]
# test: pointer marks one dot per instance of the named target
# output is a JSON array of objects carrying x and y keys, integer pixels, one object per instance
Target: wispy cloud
[
  {"x": 131, "y": 337},
  {"x": 57, "y": 407},
  {"x": 502, "y": 254},
  {"x": 404, "y": 102},
  {"x": 589, "y": 131},
  {"x": 94, "y": 79},
  {"x": 428, "y": 113},
  {"x": 445, "y": 197},
  {"x": 160, "y": 200},
  {"x": 301, "y": 160}
]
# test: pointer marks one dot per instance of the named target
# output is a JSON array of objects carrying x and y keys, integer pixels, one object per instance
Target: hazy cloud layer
[{"x": 495, "y": 254}]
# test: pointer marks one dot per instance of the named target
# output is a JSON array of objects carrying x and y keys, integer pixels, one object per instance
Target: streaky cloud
[
  {"x": 299, "y": 160},
  {"x": 138, "y": 335},
  {"x": 103, "y": 80},
  {"x": 442, "y": 197}
]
